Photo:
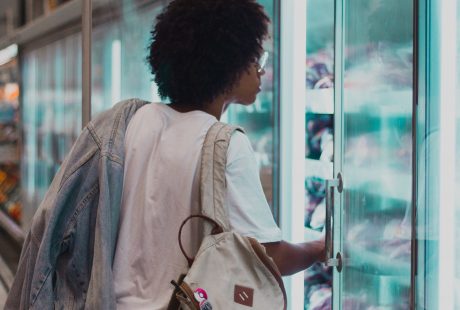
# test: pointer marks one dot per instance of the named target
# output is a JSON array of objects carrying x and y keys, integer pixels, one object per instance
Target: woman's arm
[{"x": 292, "y": 258}]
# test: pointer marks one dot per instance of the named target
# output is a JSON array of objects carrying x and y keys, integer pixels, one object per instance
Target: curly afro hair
[{"x": 200, "y": 48}]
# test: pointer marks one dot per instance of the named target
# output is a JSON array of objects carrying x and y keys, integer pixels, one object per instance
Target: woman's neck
[{"x": 214, "y": 108}]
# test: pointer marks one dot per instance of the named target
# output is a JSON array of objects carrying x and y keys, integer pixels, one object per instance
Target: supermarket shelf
[
  {"x": 13, "y": 229},
  {"x": 44, "y": 24},
  {"x": 56, "y": 19}
]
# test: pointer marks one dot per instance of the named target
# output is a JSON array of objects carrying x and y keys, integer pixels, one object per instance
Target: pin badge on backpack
[{"x": 202, "y": 297}]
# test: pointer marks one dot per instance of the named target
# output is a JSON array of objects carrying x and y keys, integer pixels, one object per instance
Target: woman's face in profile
[{"x": 248, "y": 86}]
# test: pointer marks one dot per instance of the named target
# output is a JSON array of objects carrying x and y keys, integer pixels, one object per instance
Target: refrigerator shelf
[
  {"x": 379, "y": 104},
  {"x": 319, "y": 168},
  {"x": 373, "y": 204},
  {"x": 379, "y": 181},
  {"x": 320, "y": 101}
]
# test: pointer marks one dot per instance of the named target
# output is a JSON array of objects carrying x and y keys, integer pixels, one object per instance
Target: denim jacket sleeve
[
  {"x": 31, "y": 277},
  {"x": 66, "y": 261}
]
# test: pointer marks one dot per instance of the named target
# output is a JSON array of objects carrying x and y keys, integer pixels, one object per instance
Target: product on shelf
[
  {"x": 319, "y": 136},
  {"x": 8, "y": 133},
  {"x": 317, "y": 287},
  {"x": 320, "y": 70},
  {"x": 320, "y": 297},
  {"x": 318, "y": 216},
  {"x": 52, "y": 4},
  {"x": 10, "y": 200},
  {"x": 9, "y": 191},
  {"x": 315, "y": 192}
]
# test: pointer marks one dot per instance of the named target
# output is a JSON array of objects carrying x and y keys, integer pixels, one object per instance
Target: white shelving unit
[
  {"x": 320, "y": 101},
  {"x": 382, "y": 104},
  {"x": 292, "y": 136},
  {"x": 319, "y": 168}
]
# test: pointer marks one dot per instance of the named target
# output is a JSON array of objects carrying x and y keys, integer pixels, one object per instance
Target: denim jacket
[{"x": 66, "y": 260}]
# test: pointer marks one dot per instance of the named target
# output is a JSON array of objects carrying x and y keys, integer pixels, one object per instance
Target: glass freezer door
[{"x": 371, "y": 218}]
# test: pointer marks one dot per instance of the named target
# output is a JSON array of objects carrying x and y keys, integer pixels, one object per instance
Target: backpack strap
[{"x": 213, "y": 165}]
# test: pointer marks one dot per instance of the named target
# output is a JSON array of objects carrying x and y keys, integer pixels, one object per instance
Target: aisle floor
[
  {"x": 9, "y": 257},
  {"x": 2, "y": 295}
]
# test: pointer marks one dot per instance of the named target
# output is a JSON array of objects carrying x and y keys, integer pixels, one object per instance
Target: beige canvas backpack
[{"x": 229, "y": 271}]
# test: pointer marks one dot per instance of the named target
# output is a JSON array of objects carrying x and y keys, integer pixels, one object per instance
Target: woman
[
  {"x": 105, "y": 235},
  {"x": 204, "y": 55}
]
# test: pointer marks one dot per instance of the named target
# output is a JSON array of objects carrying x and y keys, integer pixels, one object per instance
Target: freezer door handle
[
  {"x": 331, "y": 261},
  {"x": 335, "y": 262}
]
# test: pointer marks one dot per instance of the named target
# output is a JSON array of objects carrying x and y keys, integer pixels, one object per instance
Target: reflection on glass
[
  {"x": 377, "y": 105},
  {"x": 119, "y": 69},
  {"x": 120, "y": 39},
  {"x": 319, "y": 141},
  {"x": 259, "y": 118},
  {"x": 51, "y": 115}
]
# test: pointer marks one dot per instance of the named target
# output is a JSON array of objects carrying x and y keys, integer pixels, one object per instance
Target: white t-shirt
[{"x": 161, "y": 189}]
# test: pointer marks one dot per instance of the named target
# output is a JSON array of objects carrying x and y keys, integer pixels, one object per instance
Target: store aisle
[
  {"x": 2, "y": 296},
  {"x": 6, "y": 278},
  {"x": 9, "y": 258}
]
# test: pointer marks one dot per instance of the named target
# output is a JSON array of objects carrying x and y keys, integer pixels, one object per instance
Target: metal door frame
[{"x": 339, "y": 46}]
